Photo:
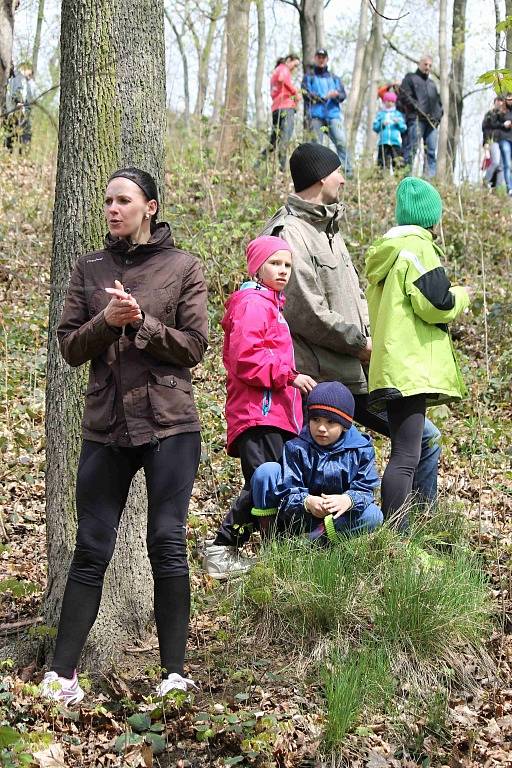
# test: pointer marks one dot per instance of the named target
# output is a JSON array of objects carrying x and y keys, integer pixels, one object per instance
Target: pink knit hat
[
  {"x": 389, "y": 96},
  {"x": 261, "y": 249}
]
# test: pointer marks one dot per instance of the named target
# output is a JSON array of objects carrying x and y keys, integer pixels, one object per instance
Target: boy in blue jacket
[
  {"x": 325, "y": 483},
  {"x": 390, "y": 125}
]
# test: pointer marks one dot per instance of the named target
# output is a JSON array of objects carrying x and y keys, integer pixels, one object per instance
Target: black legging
[
  {"x": 103, "y": 481},
  {"x": 406, "y": 417}
]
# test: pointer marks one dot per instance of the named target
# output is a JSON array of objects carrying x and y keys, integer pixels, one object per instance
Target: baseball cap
[{"x": 321, "y": 52}]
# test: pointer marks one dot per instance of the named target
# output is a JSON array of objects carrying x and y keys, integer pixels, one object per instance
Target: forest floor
[{"x": 261, "y": 701}]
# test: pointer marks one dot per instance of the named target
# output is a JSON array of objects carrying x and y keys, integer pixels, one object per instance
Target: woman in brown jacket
[{"x": 137, "y": 311}]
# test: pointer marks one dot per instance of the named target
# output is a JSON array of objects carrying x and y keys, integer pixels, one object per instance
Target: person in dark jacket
[
  {"x": 137, "y": 311},
  {"x": 493, "y": 176},
  {"x": 324, "y": 484},
  {"x": 500, "y": 122},
  {"x": 323, "y": 95},
  {"x": 420, "y": 97}
]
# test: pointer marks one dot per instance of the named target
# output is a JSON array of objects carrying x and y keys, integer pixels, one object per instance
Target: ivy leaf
[
  {"x": 8, "y": 736},
  {"x": 157, "y": 742},
  {"x": 126, "y": 740},
  {"x": 140, "y": 721}
]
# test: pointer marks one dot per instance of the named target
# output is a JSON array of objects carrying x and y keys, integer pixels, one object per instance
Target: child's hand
[
  {"x": 315, "y": 506},
  {"x": 336, "y": 504},
  {"x": 304, "y": 383}
]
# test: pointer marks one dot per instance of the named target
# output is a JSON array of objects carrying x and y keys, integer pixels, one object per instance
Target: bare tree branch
[
  {"x": 388, "y": 18},
  {"x": 406, "y": 55}
]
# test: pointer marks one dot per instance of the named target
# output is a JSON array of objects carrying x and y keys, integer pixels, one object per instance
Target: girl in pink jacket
[{"x": 263, "y": 404}]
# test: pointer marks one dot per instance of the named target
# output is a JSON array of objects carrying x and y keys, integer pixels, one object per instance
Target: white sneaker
[
  {"x": 222, "y": 562},
  {"x": 175, "y": 682},
  {"x": 61, "y": 689}
]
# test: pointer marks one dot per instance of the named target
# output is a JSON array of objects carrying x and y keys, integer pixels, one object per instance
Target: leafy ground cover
[{"x": 283, "y": 681}]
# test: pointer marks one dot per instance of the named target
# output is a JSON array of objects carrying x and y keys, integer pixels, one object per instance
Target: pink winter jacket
[
  {"x": 258, "y": 358},
  {"x": 282, "y": 90}
]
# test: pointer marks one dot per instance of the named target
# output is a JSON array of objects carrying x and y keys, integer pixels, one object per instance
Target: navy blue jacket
[
  {"x": 315, "y": 86},
  {"x": 346, "y": 466}
]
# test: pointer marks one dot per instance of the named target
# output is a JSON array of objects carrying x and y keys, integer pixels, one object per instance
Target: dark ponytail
[{"x": 145, "y": 182}]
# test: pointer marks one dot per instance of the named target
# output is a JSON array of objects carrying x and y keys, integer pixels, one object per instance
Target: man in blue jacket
[{"x": 323, "y": 93}]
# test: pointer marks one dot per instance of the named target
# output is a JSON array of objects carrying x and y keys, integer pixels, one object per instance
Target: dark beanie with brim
[
  {"x": 333, "y": 401},
  {"x": 311, "y": 162}
]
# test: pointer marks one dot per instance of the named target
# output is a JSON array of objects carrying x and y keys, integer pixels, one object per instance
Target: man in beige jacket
[{"x": 325, "y": 305}]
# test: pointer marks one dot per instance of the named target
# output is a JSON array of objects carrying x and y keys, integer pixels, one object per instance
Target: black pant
[
  {"x": 256, "y": 446},
  {"x": 103, "y": 481},
  {"x": 406, "y": 424},
  {"x": 389, "y": 156}
]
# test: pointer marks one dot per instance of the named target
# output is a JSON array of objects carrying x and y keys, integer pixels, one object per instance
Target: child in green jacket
[{"x": 410, "y": 301}]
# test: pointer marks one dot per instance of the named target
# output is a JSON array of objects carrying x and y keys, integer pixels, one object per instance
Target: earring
[{"x": 146, "y": 215}]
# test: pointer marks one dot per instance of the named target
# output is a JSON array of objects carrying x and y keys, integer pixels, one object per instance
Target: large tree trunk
[
  {"x": 7, "y": 8},
  {"x": 204, "y": 57},
  {"x": 456, "y": 82},
  {"x": 260, "y": 66},
  {"x": 218, "y": 101},
  {"x": 184, "y": 60},
  {"x": 442, "y": 146},
  {"x": 112, "y": 113},
  {"x": 311, "y": 25},
  {"x": 351, "y": 118},
  {"x": 508, "y": 37},
  {"x": 375, "y": 64},
  {"x": 235, "y": 101},
  {"x": 37, "y": 37}
]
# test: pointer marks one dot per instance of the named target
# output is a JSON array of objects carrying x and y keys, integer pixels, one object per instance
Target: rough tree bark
[
  {"x": 311, "y": 21},
  {"x": 351, "y": 116},
  {"x": 375, "y": 45},
  {"x": 456, "y": 79},
  {"x": 179, "y": 35},
  {"x": 37, "y": 36},
  {"x": 442, "y": 146},
  {"x": 7, "y": 8},
  {"x": 260, "y": 66},
  {"x": 235, "y": 101},
  {"x": 112, "y": 113},
  {"x": 497, "y": 16},
  {"x": 218, "y": 94}
]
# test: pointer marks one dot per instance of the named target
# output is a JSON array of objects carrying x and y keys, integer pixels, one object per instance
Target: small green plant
[
  {"x": 141, "y": 729},
  {"x": 360, "y": 680}
]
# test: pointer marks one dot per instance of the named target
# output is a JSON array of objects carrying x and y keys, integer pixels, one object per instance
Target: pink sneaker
[{"x": 61, "y": 689}]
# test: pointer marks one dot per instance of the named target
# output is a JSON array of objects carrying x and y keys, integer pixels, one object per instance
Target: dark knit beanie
[
  {"x": 418, "y": 202},
  {"x": 311, "y": 162},
  {"x": 332, "y": 400}
]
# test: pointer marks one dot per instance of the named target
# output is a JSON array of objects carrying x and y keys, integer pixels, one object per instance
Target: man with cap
[
  {"x": 323, "y": 93},
  {"x": 326, "y": 309}
]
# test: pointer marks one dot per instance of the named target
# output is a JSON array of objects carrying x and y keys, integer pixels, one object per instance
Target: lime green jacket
[{"x": 410, "y": 300}]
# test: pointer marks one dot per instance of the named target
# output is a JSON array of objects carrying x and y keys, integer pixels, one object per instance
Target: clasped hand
[
  {"x": 122, "y": 308},
  {"x": 335, "y": 504}
]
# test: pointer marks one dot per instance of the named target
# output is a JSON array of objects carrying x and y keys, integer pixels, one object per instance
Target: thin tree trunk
[
  {"x": 260, "y": 66},
  {"x": 376, "y": 56},
  {"x": 456, "y": 80},
  {"x": 308, "y": 12},
  {"x": 320, "y": 25},
  {"x": 37, "y": 37},
  {"x": 218, "y": 102},
  {"x": 497, "y": 45},
  {"x": 204, "y": 57},
  {"x": 357, "y": 73},
  {"x": 235, "y": 101},
  {"x": 508, "y": 37},
  {"x": 112, "y": 114},
  {"x": 184, "y": 61},
  {"x": 442, "y": 146},
  {"x": 7, "y": 8}
]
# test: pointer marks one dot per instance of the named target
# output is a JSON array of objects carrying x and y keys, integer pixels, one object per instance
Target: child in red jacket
[{"x": 263, "y": 404}]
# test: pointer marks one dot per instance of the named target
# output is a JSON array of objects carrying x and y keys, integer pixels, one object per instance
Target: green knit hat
[{"x": 418, "y": 202}]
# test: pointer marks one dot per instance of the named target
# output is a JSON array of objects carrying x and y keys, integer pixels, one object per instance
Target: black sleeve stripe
[{"x": 435, "y": 286}]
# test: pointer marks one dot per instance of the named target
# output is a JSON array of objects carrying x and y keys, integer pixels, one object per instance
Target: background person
[
  {"x": 139, "y": 413},
  {"x": 412, "y": 365},
  {"x": 285, "y": 96},
  {"x": 419, "y": 95},
  {"x": 500, "y": 123},
  {"x": 491, "y": 136},
  {"x": 323, "y": 94},
  {"x": 390, "y": 125},
  {"x": 18, "y": 99}
]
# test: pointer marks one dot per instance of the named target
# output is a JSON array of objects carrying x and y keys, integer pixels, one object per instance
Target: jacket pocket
[
  {"x": 266, "y": 402},
  {"x": 171, "y": 399},
  {"x": 99, "y": 412}
]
